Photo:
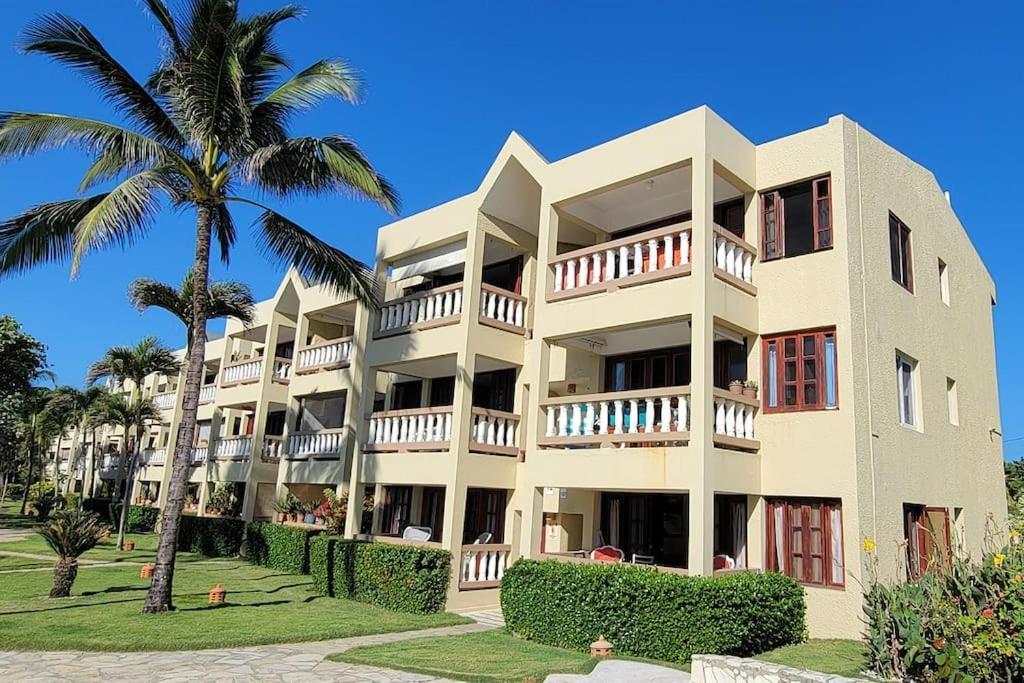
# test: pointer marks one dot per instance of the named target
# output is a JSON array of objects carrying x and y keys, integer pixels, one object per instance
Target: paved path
[{"x": 290, "y": 663}]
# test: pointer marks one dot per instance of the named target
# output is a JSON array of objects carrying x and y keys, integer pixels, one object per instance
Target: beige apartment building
[{"x": 554, "y": 370}]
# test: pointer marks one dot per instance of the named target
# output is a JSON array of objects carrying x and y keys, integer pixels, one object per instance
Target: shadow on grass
[
  {"x": 59, "y": 607},
  {"x": 231, "y": 605}
]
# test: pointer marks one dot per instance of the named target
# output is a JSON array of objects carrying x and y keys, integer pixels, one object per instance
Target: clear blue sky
[{"x": 447, "y": 81}]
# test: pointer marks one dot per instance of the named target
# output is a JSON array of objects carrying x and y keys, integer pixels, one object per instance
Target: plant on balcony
[
  {"x": 284, "y": 506},
  {"x": 736, "y": 386},
  {"x": 71, "y": 533},
  {"x": 333, "y": 511},
  {"x": 222, "y": 500},
  {"x": 750, "y": 389}
]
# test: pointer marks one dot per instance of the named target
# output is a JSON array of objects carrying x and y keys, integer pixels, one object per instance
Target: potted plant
[
  {"x": 284, "y": 506},
  {"x": 736, "y": 386},
  {"x": 296, "y": 510},
  {"x": 750, "y": 389},
  {"x": 307, "y": 513}
]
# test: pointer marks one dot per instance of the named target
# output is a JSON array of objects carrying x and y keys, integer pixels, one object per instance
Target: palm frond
[
  {"x": 224, "y": 231},
  {"x": 326, "y": 78},
  {"x": 145, "y": 293},
  {"x": 314, "y": 259},
  {"x": 163, "y": 15},
  {"x": 260, "y": 57},
  {"x": 318, "y": 165},
  {"x": 42, "y": 234},
  {"x": 134, "y": 362},
  {"x": 69, "y": 42},
  {"x": 231, "y": 299}
]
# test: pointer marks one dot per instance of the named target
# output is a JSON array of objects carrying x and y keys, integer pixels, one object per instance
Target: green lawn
[
  {"x": 106, "y": 551},
  {"x": 493, "y": 656},
  {"x": 10, "y": 518},
  {"x": 105, "y": 610}
]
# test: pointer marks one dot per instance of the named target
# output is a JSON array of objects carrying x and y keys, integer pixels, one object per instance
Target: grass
[
  {"x": 10, "y": 517},
  {"x": 106, "y": 551},
  {"x": 837, "y": 657},
  {"x": 494, "y": 656},
  {"x": 105, "y": 611}
]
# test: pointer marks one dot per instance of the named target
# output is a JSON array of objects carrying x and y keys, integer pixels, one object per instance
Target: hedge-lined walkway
[{"x": 280, "y": 663}]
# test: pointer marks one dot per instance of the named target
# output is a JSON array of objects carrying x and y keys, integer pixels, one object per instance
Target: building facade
[{"x": 555, "y": 369}]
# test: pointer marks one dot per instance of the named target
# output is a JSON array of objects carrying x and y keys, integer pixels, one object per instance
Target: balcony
[
  {"x": 328, "y": 355},
  {"x": 250, "y": 371},
  {"x": 199, "y": 455},
  {"x": 153, "y": 456},
  {"x": 494, "y": 432},
  {"x": 164, "y": 401},
  {"x": 416, "y": 429},
  {"x": 635, "y": 260},
  {"x": 234, "y": 448},
  {"x": 273, "y": 446},
  {"x": 317, "y": 445},
  {"x": 207, "y": 393},
  {"x": 618, "y": 418},
  {"x": 734, "y": 260},
  {"x": 483, "y": 565},
  {"x": 502, "y": 309},
  {"x": 423, "y": 310},
  {"x": 734, "y": 421}
]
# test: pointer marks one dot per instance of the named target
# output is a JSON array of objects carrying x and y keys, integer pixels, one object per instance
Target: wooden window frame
[
  {"x": 916, "y": 521},
  {"x": 901, "y": 239},
  {"x": 820, "y": 380},
  {"x": 773, "y": 243},
  {"x": 826, "y": 505}
]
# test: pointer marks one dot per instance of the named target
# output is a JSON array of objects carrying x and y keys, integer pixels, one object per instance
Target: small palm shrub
[
  {"x": 69, "y": 534},
  {"x": 45, "y": 502}
]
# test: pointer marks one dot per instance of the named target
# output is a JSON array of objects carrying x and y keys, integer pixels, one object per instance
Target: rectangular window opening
[
  {"x": 900, "y": 253},
  {"x": 906, "y": 376},
  {"x": 944, "y": 281},
  {"x": 804, "y": 540},
  {"x": 800, "y": 371},
  {"x": 797, "y": 219},
  {"x": 952, "y": 401}
]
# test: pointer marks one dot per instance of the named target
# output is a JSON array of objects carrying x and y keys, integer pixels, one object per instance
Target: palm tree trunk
[
  {"x": 92, "y": 470},
  {"x": 28, "y": 476},
  {"x": 158, "y": 599},
  {"x": 64, "y": 573}
]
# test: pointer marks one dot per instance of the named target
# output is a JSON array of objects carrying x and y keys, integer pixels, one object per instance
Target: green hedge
[
  {"x": 281, "y": 547},
  {"x": 101, "y": 506},
  {"x": 141, "y": 518},
  {"x": 210, "y": 536},
  {"x": 401, "y": 578},
  {"x": 646, "y": 613}
]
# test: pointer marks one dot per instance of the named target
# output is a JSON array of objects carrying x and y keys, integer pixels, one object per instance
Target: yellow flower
[
  {"x": 998, "y": 559},
  {"x": 869, "y": 545},
  {"x": 1014, "y": 535}
]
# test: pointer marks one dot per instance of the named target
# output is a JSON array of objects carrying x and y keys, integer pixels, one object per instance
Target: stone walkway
[{"x": 292, "y": 663}]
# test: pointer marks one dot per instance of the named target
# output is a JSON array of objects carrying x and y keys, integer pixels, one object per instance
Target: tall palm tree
[
  {"x": 212, "y": 118},
  {"x": 227, "y": 299},
  {"x": 37, "y": 430},
  {"x": 79, "y": 405},
  {"x": 62, "y": 412},
  {"x": 135, "y": 364}
]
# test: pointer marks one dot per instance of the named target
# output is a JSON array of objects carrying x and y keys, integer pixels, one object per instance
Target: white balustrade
[
  {"x": 199, "y": 455},
  {"x": 234, "y": 448},
  {"x": 483, "y": 564},
  {"x": 647, "y": 252},
  {"x": 502, "y": 306},
  {"x": 282, "y": 369},
  {"x": 424, "y": 307},
  {"x": 610, "y": 417},
  {"x": 272, "y": 447},
  {"x": 324, "y": 443},
  {"x": 734, "y": 418},
  {"x": 326, "y": 354},
  {"x": 207, "y": 393},
  {"x": 417, "y": 429},
  {"x": 164, "y": 401},
  {"x": 245, "y": 371},
  {"x": 154, "y": 456},
  {"x": 494, "y": 431},
  {"x": 734, "y": 256}
]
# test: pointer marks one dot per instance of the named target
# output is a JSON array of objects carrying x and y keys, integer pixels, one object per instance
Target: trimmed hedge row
[
  {"x": 646, "y": 613},
  {"x": 396, "y": 577},
  {"x": 210, "y": 536},
  {"x": 281, "y": 547},
  {"x": 141, "y": 518}
]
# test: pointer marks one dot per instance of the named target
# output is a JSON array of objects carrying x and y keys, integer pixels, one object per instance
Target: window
[
  {"x": 648, "y": 369},
  {"x": 800, "y": 371},
  {"x": 394, "y": 516},
  {"x": 952, "y": 402},
  {"x": 796, "y": 219},
  {"x": 406, "y": 395},
  {"x": 926, "y": 530},
  {"x": 899, "y": 253},
  {"x": 805, "y": 540},
  {"x": 432, "y": 511},
  {"x": 944, "y": 281},
  {"x": 485, "y": 513},
  {"x": 906, "y": 376}
]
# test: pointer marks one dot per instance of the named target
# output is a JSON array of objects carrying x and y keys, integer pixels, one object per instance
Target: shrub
[
  {"x": 72, "y": 501},
  {"x": 100, "y": 506},
  {"x": 646, "y": 613},
  {"x": 397, "y": 577},
  {"x": 278, "y": 546},
  {"x": 210, "y": 536},
  {"x": 141, "y": 518},
  {"x": 959, "y": 621}
]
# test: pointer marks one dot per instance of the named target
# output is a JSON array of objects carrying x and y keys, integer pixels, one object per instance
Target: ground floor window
[
  {"x": 651, "y": 527},
  {"x": 730, "y": 543},
  {"x": 926, "y": 530},
  {"x": 394, "y": 516},
  {"x": 432, "y": 511},
  {"x": 804, "y": 540},
  {"x": 485, "y": 514}
]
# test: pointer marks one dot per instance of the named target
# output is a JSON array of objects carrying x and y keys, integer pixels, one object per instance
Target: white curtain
[
  {"x": 613, "y": 523},
  {"x": 739, "y": 534},
  {"x": 836, "y": 524},
  {"x": 780, "y": 512}
]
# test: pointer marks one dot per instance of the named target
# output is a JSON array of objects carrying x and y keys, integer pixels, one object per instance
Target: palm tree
[
  {"x": 70, "y": 534},
  {"x": 61, "y": 410},
  {"x": 134, "y": 363},
  {"x": 70, "y": 407},
  {"x": 228, "y": 299},
  {"x": 37, "y": 430},
  {"x": 213, "y": 117}
]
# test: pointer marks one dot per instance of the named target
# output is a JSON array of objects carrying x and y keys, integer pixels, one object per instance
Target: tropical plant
[
  {"x": 223, "y": 497},
  {"x": 24, "y": 362},
  {"x": 334, "y": 510},
  {"x": 1015, "y": 493},
  {"x": 35, "y": 432},
  {"x": 45, "y": 503},
  {"x": 213, "y": 117},
  {"x": 228, "y": 299},
  {"x": 70, "y": 534},
  {"x": 77, "y": 407}
]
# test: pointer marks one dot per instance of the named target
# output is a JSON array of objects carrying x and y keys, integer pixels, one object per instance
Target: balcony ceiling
[{"x": 615, "y": 342}]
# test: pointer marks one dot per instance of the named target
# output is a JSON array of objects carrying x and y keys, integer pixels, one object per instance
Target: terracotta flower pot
[
  {"x": 750, "y": 392},
  {"x": 129, "y": 546},
  {"x": 736, "y": 388}
]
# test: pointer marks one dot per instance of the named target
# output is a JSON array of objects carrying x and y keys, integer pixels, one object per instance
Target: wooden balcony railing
[
  {"x": 327, "y": 355},
  {"x": 483, "y": 565},
  {"x": 494, "y": 431},
  {"x": 603, "y": 420},
  {"x": 634, "y": 260},
  {"x": 319, "y": 445},
  {"x": 418, "y": 429},
  {"x": 439, "y": 306},
  {"x": 734, "y": 260},
  {"x": 734, "y": 420},
  {"x": 502, "y": 309}
]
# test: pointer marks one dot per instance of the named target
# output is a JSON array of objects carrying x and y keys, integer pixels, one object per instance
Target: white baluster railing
[
  {"x": 242, "y": 372},
  {"x": 325, "y": 355},
  {"x": 503, "y": 307},
  {"x": 442, "y": 305},
  {"x": 645, "y": 416},
  {"x": 733, "y": 255},
  {"x": 164, "y": 401},
  {"x": 409, "y": 430},
  {"x": 644, "y": 257},
  {"x": 154, "y": 456},
  {"x": 326, "y": 443},
  {"x": 282, "y": 369},
  {"x": 493, "y": 431},
  {"x": 234, "y": 448},
  {"x": 734, "y": 419},
  {"x": 199, "y": 455},
  {"x": 207, "y": 393},
  {"x": 272, "y": 448},
  {"x": 483, "y": 565}
]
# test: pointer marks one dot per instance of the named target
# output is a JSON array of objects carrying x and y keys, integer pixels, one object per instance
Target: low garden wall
[
  {"x": 645, "y": 613},
  {"x": 398, "y": 577},
  {"x": 725, "y": 669}
]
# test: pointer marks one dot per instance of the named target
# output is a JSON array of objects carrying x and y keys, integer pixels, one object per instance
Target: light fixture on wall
[{"x": 595, "y": 343}]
